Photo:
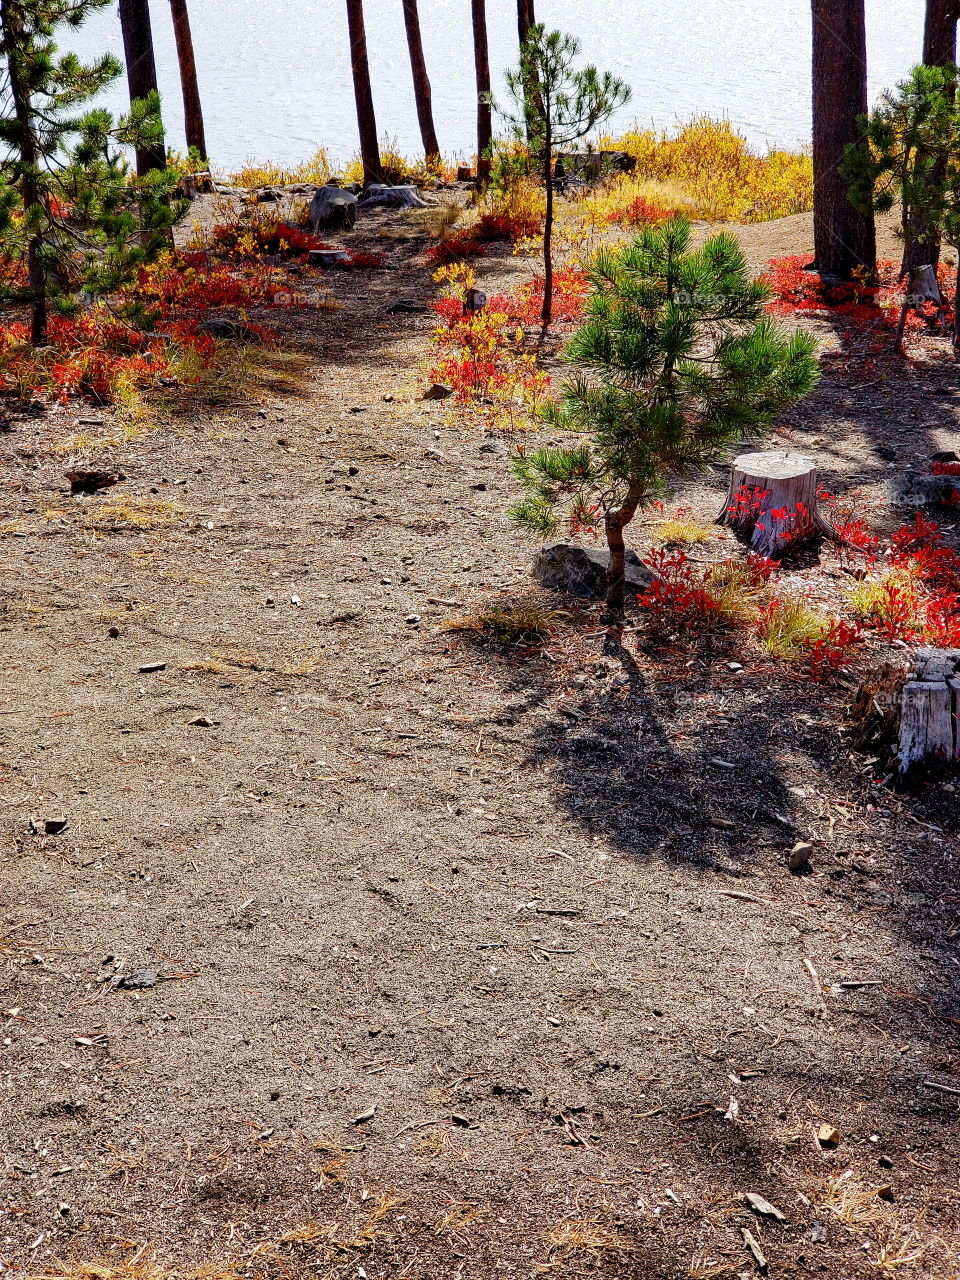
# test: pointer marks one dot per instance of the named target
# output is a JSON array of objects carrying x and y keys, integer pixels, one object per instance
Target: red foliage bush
[
  {"x": 463, "y": 244},
  {"x": 831, "y": 650},
  {"x": 639, "y": 213}
]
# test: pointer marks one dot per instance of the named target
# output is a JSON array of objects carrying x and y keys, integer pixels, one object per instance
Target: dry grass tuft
[
  {"x": 457, "y": 1220},
  {"x": 222, "y": 660},
  {"x": 141, "y": 1266},
  {"x": 855, "y": 1205},
  {"x": 586, "y": 1237},
  {"x": 138, "y": 513},
  {"x": 788, "y": 627},
  {"x": 682, "y": 531},
  {"x": 511, "y": 625}
]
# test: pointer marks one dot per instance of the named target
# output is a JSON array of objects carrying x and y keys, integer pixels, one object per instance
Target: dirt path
[{"x": 464, "y": 963}]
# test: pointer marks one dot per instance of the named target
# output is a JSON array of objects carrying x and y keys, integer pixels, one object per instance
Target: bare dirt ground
[{"x": 469, "y": 963}]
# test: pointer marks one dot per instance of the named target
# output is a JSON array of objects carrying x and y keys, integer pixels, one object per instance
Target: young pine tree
[
  {"x": 555, "y": 106},
  {"x": 676, "y": 359},
  {"x": 69, "y": 207},
  {"x": 908, "y": 137}
]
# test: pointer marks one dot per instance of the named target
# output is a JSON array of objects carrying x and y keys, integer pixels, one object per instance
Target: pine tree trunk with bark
[
  {"x": 525, "y": 19},
  {"x": 421, "y": 82},
  {"x": 481, "y": 59},
  {"x": 366, "y": 120},
  {"x": 940, "y": 32},
  {"x": 192, "y": 109},
  {"x": 141, "y": 71},
  {"x": 547, "y": 312},
  {"x": 844, "y": 239}
]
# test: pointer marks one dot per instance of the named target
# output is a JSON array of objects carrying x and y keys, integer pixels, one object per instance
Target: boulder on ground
[
  {"x": 582, "y": 571},
  {"x": 226, "y": 330},
  {"x": 333, "y": 209},
  {"x": 937, "y": 484}
]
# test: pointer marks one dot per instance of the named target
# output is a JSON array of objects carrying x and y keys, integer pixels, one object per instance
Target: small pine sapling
[
  {"x": 676, "y": 359},
  {"x": 69, "y": 207},
  {"x": 555, "y": 106}
]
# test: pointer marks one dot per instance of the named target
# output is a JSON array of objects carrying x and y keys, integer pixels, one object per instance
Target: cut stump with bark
[
  {"x": 772, "y": 501},
  {"x": 930, "y": 710}
]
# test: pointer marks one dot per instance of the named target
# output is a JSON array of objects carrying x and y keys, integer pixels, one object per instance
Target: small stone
[
  {"x": 149, "y": 668},
  {"x": 734, "y": 666},
  {"x": 113, "y": 632},
  {"x": 800, "y": 856},
  {"x": 364, "y": 1116},
  {"x": 269, "y": 600},
  {"x": 884, "y": 1162},
  {"x": 202, "y": 722},
  {"x": 759, "y": 1205},
  {"x": 413, "y": 619},
  {"x": 139, "y": 980},
  {"x": 553, "y": 1022},
  {"x": 54, "y": 826},
  {"x": 438, "y": 392},
  {"x": 828, "y": 1136}
]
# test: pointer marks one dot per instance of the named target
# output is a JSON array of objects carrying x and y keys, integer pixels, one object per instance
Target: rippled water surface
[{"x": 275, "y": 74}]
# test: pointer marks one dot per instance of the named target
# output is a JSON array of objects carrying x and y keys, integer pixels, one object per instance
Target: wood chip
[
  {"x": 753, "y": 1245},
  {"x": 759, "y": 1205}
]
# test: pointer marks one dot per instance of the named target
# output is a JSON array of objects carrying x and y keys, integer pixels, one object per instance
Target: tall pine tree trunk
[
  {"x": 141, "y": 71},
  {"x": 11, "y": 21},
  {"x": 940, "y": 32},
  {"x": 546, "y": 314},
  {"x": 481, "y": 58},
  {"x": 421, "y": 82},
  {"x": 192, "y": 110},
  {"x": 525, "y": 19},
  {"x": 844, "y": 239},
  {"x": 366, "y": 120}
]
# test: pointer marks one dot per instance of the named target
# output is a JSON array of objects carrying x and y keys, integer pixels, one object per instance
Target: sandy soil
[{"x": 468, "y": 963}]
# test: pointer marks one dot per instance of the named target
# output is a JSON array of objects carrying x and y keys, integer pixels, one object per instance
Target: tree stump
[
  {"x": 772, "y": 501},
  {"x": 930, "y": 710},
  {"x": 405, "y": 197}
]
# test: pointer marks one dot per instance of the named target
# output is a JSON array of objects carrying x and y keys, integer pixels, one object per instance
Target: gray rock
[
  {"x": 582, "y": 571},
  {"x": 923, "y": 489},
  {"x": 333, "y": 209},
  {"x": 226, "y": 330},
  {"x": 139, "y": 980}
]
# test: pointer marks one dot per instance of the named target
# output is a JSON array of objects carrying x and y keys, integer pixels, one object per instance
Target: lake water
[{"x": 275, "y": 74}]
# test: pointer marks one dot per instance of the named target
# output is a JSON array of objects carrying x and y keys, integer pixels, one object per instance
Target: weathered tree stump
[
  {"x": 405, "y": 197},
  {"x": 772, "y": 501},
  {"x": 930, "y": 710}
]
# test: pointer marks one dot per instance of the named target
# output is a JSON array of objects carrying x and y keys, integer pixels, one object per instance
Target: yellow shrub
[
  {"x": 714, "y": 165},
  {"x": 264, "y": 174},
  {"x": 603, "y": 206}
]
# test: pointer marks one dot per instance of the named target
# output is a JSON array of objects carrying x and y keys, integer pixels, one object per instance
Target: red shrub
[
  {"x": 639, "y": 213},
  {"x": 831, "y": 650},
  {"x": 463, "y": 244}
]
